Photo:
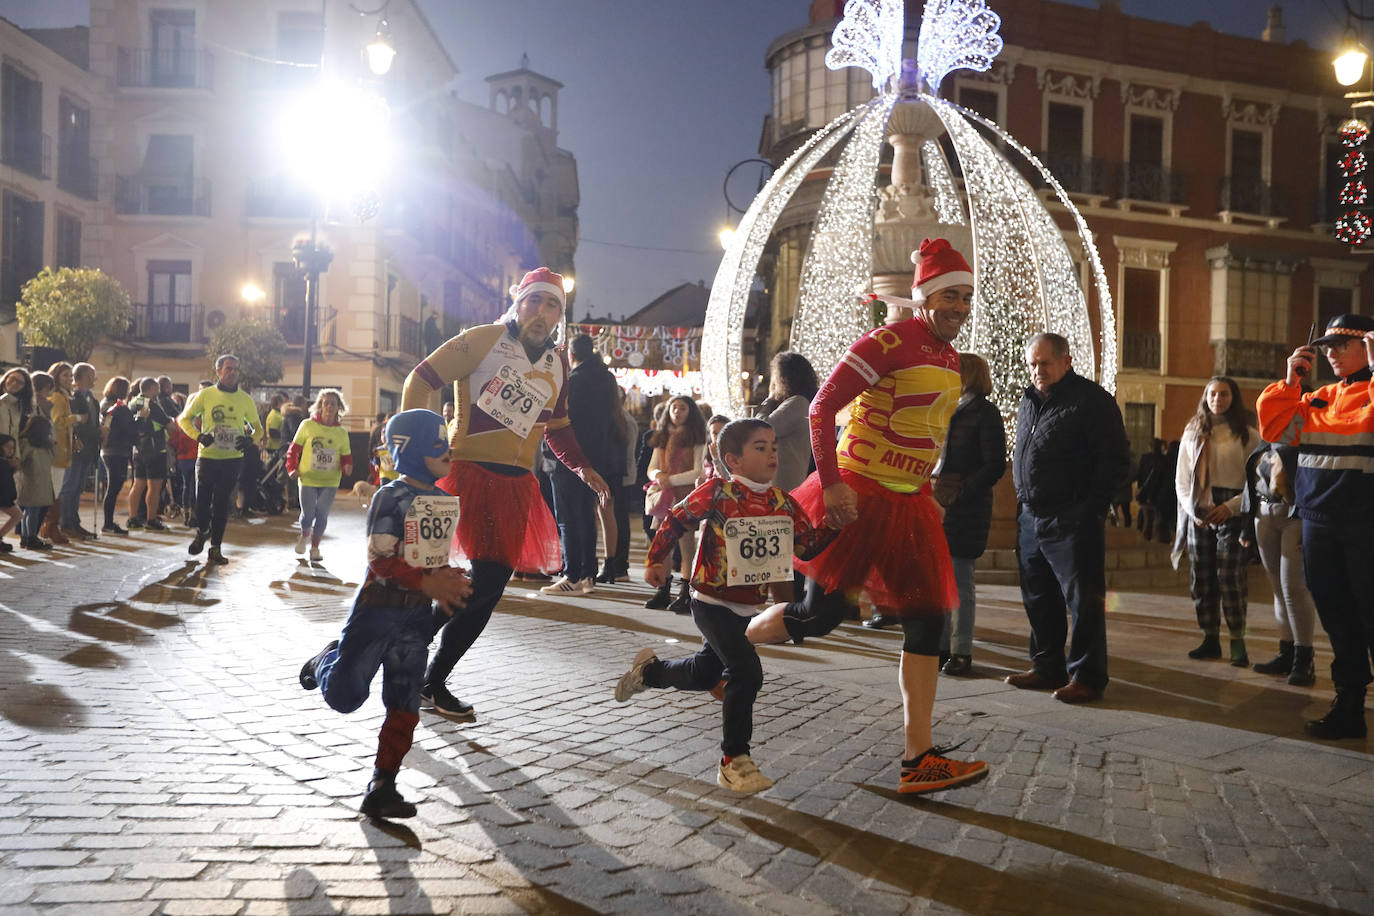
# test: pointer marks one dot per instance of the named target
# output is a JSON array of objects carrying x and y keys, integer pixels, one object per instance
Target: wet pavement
[{"x": 159, "y": 757}]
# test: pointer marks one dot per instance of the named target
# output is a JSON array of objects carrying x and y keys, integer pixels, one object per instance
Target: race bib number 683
[{"x": 758, "y": 550}]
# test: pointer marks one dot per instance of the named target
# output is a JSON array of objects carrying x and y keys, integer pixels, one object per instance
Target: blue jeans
[
  {"x": 1063, "y": 568},
  {"x": 958, "y": 636},
  {"x": 315, "y": 505},
  {"x": 377, "y": 636},
  {"x": 73, "y": 484},
  {"x": 574, "y": 506},
  {"x": 187, "y": 469}
]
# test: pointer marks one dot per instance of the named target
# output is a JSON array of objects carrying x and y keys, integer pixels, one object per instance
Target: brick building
[{"x": 1202, "y": 162}]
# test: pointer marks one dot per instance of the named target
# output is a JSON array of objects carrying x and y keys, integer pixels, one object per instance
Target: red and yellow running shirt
[{"x": 904, "y": 382}]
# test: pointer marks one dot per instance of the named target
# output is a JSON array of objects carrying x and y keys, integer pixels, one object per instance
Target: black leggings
[
  {"x": 461, "y": 630},
  {"x": 116, "y": 472},
  {"x": 215, "y": 479},
  {"x": 818, "y": 612}
]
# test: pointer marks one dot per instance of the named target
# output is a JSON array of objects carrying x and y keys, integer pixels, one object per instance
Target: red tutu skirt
[
  {"x": 895, "y": 555},
  {"x": 502, "y": 519}
]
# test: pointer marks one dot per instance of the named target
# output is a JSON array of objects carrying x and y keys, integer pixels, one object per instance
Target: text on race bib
[
  {"x": 225, "y": 436},
  {"x": 758, "y": 550},
  {"x": 384, "y": 459},
  {"x": 323, "y": 458},
  {"x": 512, "y": 400},
  {"x": 429, "y": 525}
]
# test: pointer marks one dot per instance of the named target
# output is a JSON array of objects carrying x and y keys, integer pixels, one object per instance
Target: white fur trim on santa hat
[
  {"x": 943, "y": 281},
  {"x": 552, "y": 289}
]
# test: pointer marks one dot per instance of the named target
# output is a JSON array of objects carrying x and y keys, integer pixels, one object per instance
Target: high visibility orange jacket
[{"x": 1333, "y": 428}]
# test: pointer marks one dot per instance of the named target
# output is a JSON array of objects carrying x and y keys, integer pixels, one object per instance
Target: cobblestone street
[{"x": 159, "y": 757}]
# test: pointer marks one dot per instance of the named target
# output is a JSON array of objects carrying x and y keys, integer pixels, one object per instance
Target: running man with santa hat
[
  {"x": 510, "y": 389},
  {"x": 903, "y": 382}
]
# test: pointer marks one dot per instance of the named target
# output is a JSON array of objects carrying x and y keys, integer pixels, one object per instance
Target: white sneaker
[
  {"x": 742, "y": 775},
  {"x": 632, "y": 681},
  {"x": 586, "y": 586},
  {"x": 315, "y": 555},
  {"x": 563, "y": 586},
  {"x": 301, "y": 543}
]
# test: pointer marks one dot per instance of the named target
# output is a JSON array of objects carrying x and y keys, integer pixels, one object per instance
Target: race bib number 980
[
  {"x": 225, "y": 436},
  {"x": 512, "y": 400},
  {"x": 429, "y": 526},
  {"x": 758, "y": 550}
]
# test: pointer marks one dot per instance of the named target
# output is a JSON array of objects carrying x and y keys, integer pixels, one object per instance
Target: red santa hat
[
  {"x": 540, "y": 280},
  {"x": 938, "y": 266}
]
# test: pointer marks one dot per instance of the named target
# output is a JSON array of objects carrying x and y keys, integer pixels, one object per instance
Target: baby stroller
[{"x": 271, "y": 489}]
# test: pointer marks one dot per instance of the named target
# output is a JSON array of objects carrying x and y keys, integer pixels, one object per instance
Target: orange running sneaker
[{"x": 932, "y": 772}]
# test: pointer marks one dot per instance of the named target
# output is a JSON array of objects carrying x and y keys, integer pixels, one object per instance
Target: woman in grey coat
[{"x": 791, "y": 386}]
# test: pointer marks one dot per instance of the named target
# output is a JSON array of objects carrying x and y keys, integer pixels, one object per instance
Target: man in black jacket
[
  {"x": 1071, "y": 455},
  {"x": 592, "y": 407}
]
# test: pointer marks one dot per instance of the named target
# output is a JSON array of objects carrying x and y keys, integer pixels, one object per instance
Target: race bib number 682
[{"x": 429, "y": 525}]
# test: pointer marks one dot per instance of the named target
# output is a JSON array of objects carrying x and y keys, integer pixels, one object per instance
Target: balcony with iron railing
[
  {"x": 1250, "y": 358},
  {"x": 29, "y": 151},
  {"x": 399, "y": 334},
  {"x": 290, "y": 322},
  {"x": 156, "y": 68},
  {"x": 76, "y": 172},
  {"x": 1077, "y": 174},
  {"x": 145, "y": 196},
  {"x": 1152, "y": 184},
  {"x": 1249, "y": 198},
  {"x": 154, "y": 323},
  {"x": 276, "y": 198},
  {"x": 1140, "y": 350}
]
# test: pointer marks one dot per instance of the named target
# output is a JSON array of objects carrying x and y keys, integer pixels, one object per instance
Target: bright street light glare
[
  {"x": 380, "y": 54},
  {"x": 727, "y": 235},
  {"x": 252, "y": 293},
  {"x": 1349, "y": 65},
  {"x": 336, "y": 140},
  {"x": 568, "y": 283}
]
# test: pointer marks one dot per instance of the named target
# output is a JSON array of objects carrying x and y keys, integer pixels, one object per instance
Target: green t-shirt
[
  {"x": 323, "y": 449},
  {"x": 226, "y": 415},
  {"x": 274, "y": 421}
]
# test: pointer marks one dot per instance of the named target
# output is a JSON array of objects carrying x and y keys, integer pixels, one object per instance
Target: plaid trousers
[{"x": 1218, "y": 577}]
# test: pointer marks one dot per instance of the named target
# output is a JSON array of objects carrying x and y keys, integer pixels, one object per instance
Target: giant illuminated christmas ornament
[{"x": 1026, "y": 277}]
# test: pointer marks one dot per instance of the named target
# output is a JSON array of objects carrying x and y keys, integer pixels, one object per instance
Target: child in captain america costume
[{"x": 394, "y": 617}]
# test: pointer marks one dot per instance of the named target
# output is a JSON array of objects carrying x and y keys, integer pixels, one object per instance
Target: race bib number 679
[
  {"x": 758, "y": 550},
  {"x": 512, "y": 400}
]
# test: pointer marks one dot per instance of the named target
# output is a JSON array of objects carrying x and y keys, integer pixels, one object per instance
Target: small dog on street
[{"x": 364, "y": 491}]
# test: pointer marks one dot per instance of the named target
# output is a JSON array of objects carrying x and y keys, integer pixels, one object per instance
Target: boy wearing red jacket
[{"x": 752, "y": 530}]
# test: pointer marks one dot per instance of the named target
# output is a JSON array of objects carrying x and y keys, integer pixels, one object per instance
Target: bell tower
[{"x": 525, "y": 96}]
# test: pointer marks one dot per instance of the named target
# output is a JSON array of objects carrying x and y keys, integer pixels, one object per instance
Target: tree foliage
[
  {"x": 73, "y": 309},
  {"x": 258, "y": 345}
]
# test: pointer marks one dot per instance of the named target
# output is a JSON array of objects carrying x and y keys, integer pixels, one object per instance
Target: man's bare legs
[{"x": 917, "y": 675}]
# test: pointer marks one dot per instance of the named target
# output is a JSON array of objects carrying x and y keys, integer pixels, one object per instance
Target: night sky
[{"x": 661, "y": 97}]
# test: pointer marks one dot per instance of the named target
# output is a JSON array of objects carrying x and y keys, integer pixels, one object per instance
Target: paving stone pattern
[{"x": 158, "y": 757}]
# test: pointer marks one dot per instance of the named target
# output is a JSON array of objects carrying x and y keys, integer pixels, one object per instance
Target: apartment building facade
[
  {"x": 196, "y": 210},
  {"x": 1203, "y": 162}
]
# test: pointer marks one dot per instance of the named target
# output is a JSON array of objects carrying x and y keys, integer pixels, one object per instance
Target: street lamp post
[
  {"x": 314, "y": 259},
  {"x": 727, "y": 232}
]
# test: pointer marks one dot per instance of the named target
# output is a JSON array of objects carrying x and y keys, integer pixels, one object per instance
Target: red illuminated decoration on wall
[{"x": 1353, "y": 226}]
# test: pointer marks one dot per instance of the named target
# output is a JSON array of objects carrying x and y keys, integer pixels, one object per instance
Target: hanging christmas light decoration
[
  {"x": 1025, "y": 274},
  {"x": 1354, "y": 194},
  {"x": 1354, "y": 228},
  {"x": 1354, "y": 132},
  {"x": 1353, "y": 163}
]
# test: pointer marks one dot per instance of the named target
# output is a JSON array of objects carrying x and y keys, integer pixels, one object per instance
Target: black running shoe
[
  {"x": 112, "y": 528},
  {"x": 198, "y": 543},
  {"x": 446, "y": 704},
  {"x": 382, "y": 800},
  {"x": 216, "y": 556},
  {"x": 308, "y": 680}
]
